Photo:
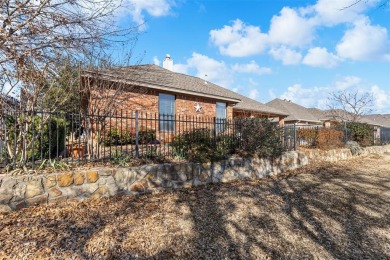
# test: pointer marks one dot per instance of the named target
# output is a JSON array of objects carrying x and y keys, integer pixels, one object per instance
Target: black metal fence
[
  {"x": 385, "y": 135},
  {"x": 29, "y": 139},
  {"x": 315, "y": 136}
]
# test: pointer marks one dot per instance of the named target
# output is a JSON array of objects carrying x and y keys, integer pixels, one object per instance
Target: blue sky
[{"x": 298, "y": 50}]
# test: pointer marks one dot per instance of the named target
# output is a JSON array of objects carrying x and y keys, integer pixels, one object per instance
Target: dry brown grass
[{"x": 323, "y": 211}]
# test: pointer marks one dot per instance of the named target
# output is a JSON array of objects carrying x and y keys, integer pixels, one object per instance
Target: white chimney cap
[{"x": 168, "y": 63}]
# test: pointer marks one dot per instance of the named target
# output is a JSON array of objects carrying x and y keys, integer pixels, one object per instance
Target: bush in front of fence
[
  {"x": 328, "y": 138},
  {"x": 307, "y": 137},
  {"x": 259, "y": 136},
  {"x": 201, "y": 145},
  {"x": 319, "y": 137},
  {"x": 115, "y": 136},
  {"x": 361, "y": 133}
]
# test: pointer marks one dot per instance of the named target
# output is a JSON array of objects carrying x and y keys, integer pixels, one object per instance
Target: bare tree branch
[
  {"x": 349, "y": 106},
  {"x": 355, "y": 2},
  {"x": 35, "y": 34}
]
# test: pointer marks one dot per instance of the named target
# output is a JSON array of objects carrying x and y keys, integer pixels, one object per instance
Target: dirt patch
[{"x": 339, "y": 210}]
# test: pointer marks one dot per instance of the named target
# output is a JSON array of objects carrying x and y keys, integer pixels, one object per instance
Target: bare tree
[
  {"x": 349, "y": 106},
  {"x": 40, "y": 43},
  {"x": 34, "y": 35}
]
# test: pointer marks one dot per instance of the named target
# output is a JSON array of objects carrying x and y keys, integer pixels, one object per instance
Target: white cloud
[
  {"x": 139, "y": 8},
  {"x": 181, "y": 68},
  {"x": 289, "y": 28},
  {"x": 206, "y": 68},
  {"x": 381, "y": 99},
  {"x": 286, "y": 55},
  {"x": 156, "y": 61},
  {"x": 251, "y": 67},
  {"x": 365, "y": 42},
  {"x": 314, "y": 96},
  {"x": 333, "y": 12},
  {"x": 293, "y": 30},
  {"x": 307, "y": 97},
  {"x": 239, "y": 39},
  {"x": 347, "y": 82},
  {"x": 253, "y": 94},
  {"x": 320, "y": 57}
]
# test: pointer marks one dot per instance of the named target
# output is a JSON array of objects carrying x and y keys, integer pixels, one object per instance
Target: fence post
[
  {"x": 215, "y": 132},
  {"x": 136, "y": 136},
  {"x": 295, "y": 138},
  {"x": 380, "y": 135}
]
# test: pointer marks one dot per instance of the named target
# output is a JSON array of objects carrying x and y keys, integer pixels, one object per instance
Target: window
[
  {"x": 166, "y": 111},
  {"x": 220, "y": 120}
]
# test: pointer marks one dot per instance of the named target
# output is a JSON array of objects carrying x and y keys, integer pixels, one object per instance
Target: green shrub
[
  {"x": 116, "y": 136},
  {"x": 258, "y": 136},
  {"x": 354, "y": 147},
  {"x": 361, "y": 133},
  {"x": 201, "y": 146},
  {"x": 252, "y": 136}
]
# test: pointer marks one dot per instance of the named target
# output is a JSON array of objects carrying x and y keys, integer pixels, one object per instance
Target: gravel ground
[{"x": 325, "y": 211}]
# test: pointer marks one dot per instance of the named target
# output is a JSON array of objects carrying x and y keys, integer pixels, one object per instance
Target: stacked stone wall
[{"x": 22, "y": 191}]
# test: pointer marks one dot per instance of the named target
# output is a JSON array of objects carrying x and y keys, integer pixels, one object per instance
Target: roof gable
[{"x": 295, "y": 111}]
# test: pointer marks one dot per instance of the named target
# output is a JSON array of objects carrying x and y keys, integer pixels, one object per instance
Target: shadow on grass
[
  {"x": 330, "y": 212},
  {"x": 320, "y": 212}
]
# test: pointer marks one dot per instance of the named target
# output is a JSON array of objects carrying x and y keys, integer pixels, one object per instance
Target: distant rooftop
[{"x": 296, "y": 112}]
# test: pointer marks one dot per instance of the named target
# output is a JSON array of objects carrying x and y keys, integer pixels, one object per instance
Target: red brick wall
[{"x": 146, "y": 101}]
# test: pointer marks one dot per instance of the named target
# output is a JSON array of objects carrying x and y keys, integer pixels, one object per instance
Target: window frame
[
  {"x": 166, "y": 122},
  {"x": 220, "y": 122}
]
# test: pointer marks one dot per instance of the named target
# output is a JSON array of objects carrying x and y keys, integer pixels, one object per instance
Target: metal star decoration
[{"x": 198, "y": 107}]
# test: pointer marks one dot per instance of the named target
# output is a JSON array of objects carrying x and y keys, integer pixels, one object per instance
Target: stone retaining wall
[{"x": 21, "y": 191}]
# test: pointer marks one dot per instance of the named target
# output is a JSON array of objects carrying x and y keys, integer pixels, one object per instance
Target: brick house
[{"x": 162, "y": 93}]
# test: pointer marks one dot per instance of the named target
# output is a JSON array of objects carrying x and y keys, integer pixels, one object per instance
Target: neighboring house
[
  {"x": 330, "y": 118},
  {"x": 321, "y": 115},
  {"x": 157, "y": 90},
  {"x": 383, "y": 120},
  {"x": 298, "y": 115}
]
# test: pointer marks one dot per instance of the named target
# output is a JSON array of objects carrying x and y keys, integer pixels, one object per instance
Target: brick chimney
[{"x": 168, "y": 63}]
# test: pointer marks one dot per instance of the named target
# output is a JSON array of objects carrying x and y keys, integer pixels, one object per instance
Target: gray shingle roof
[
  {"x": 249, "y": 104},
  {"x": 153, "y": 76},
  {"x": 383, "y": 120},
  {"x": 295, "y": 111},
  {"x": 319, "y": 114},
  {"x": 341, "y": 115},
  {"x": 156, "y": 77}
]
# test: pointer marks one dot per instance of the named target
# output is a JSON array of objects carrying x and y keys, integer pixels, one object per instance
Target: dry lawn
[{"x": 326, "y": 211}]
